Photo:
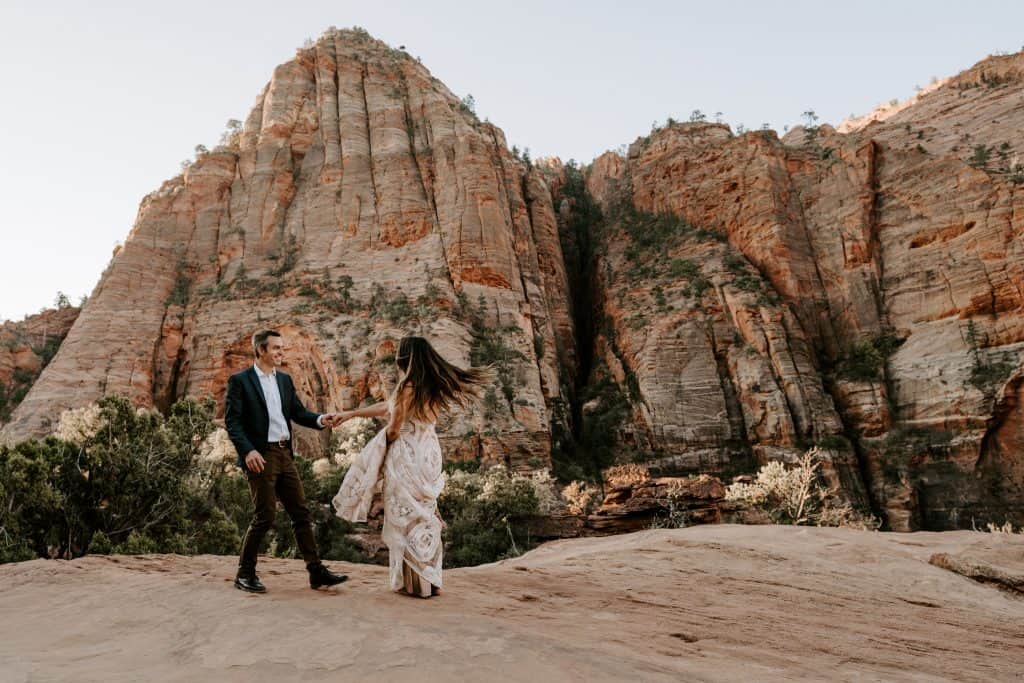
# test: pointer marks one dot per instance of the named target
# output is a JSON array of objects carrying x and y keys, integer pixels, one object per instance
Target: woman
[{"x": 408, "y": 455}]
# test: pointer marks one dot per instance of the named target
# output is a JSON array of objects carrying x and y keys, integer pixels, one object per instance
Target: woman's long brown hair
[{"x": 436, "y": 383}]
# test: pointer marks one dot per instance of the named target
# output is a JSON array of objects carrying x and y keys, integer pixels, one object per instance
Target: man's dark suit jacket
[{"x": 245, "y": 413}]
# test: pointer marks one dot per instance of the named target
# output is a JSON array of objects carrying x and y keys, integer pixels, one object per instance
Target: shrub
[
  {"x": 625, "y": 475},
  {"x": 787, "y": 494},
  {"x": 137, "y": 543},
  {"x": 290, "y": 259},
  {"x": 988, "y": 374},
  {"x": 792, "y": 495},
  {"x": 581, "y": 498},
  {"x": 866, "y": 360},
  {"x": 844, "y": 515},
  {"x": 489, "y": 347},
  {"x": 601, "y": 424},
  {"x": 486, "y": 515},
  {"x": 29, "y": 503},
  {"x": 10, "y": 398},
  {"x": 117, "y": 479},
  {"x": 399, "y": 310},
  {"x": 734, "y": 264},
  {"x": 675, "y": 514},
  {"x": 179, "y": 294},
  {"x": 980, "y": 157},
  {"x": 748, "y": 282},
  {"x": 348, "y": 440},
  {"x": 684, "y": 268},
  {"x": 538, "y": 346},
  {"x": 101, "y": 544},
  {"x": 544, "y": 490},
  {"x": 659, "y": 297},
  {"x": 697, "y": 287}
]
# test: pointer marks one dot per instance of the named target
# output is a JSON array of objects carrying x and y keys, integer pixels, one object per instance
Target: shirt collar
[{"x": 269, "y": 375}]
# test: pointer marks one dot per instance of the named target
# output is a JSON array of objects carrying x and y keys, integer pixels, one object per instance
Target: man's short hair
[{"x": 259, "y": 340}]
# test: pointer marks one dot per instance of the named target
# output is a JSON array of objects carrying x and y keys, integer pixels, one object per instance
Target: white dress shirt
[
  {"x": 272, "y": 393},
  {"x": 278, "y": 430}
]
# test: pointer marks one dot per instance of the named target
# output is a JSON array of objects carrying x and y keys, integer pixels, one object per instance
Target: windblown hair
[{"x": 436, "y": 384}]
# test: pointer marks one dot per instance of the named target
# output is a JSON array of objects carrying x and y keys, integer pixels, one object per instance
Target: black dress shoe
[
  {"x": 251, "y": 584},
  {"x": 320, "y": 576}
]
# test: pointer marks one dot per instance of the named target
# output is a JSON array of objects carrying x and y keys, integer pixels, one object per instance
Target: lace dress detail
[{"x": 413, "y": 479}]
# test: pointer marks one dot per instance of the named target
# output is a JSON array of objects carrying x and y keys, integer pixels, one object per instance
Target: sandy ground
[{"x": 708, "y": 603}]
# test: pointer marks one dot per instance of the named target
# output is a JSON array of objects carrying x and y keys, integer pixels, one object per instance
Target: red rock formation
[
  {"x": 362, "y": 201},
  {"x": 743, "y": 296},
  {"x": 26, "y": 347},
  {"x": 867, "y": 240}
]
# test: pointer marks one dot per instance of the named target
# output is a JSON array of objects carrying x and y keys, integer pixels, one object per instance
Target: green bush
[
  {"x": 489, "y": 346},
  {"x": 734, "y": 264},
  {"x": 126, "y": 481},
  {"x": 182, "y": 287},
  {"x": 748, "y": 282},
  {"x": 101, "y": 544},
  {"x": 599, "y": 433},
  {"x": 865, "y": 362},
  {"x": 29, "y": 503},
  {"x": 486, "y": 515},
  {"x": 138, "y": 543},
  {"x": 683, "y": 268},
  {"x": 981, "y": 156},
  {"x": 697, "y": 287},
  {"x": 986, "y": 375},
  {"x": 290, "y": 259}
]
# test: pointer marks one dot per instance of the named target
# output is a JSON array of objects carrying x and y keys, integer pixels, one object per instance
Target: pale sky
[{"x": 103, "y": 100}]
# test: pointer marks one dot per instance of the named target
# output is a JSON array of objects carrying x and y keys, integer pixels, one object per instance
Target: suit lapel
[
  {"x": 255, "y": 382},
  {"x": 285, "y": 399}
]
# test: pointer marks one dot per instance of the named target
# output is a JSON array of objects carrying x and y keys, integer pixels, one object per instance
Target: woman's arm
[{"x": 376, "y": 410}]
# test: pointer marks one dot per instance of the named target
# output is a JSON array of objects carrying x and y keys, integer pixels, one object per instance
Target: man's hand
[
  {"x": 255, "y": 462},
  {"x": 333, "y": 420}
]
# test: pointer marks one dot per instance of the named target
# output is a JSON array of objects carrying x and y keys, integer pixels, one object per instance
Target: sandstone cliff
[
  {"x": 704, "y": 304},
  {"x": 858, "y": 290},
  {"x": 360, "y": 201},
  {"x": 26, "y": 348}
]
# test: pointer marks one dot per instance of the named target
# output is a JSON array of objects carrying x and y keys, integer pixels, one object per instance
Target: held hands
[{"x": 332, "y": 420}]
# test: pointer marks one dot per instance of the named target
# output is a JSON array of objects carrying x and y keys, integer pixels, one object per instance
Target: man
[{"x": 261, "y": 405}]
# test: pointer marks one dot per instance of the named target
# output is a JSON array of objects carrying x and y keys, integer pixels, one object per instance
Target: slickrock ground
[{"x": 715, "y": 603}]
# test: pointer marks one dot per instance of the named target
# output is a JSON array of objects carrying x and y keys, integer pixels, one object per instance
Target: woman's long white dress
[{"x": 413, "y": 479}]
